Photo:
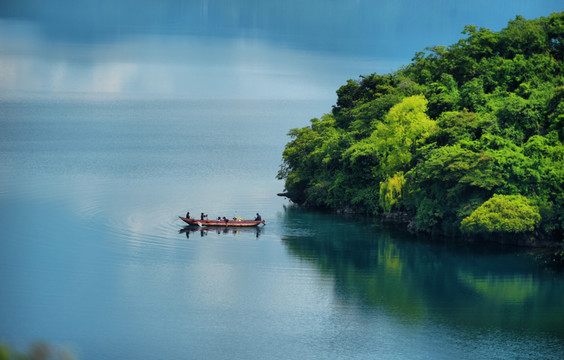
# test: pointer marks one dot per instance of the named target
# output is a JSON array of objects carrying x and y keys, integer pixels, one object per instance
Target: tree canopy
[{"x": 467, "y": 138}]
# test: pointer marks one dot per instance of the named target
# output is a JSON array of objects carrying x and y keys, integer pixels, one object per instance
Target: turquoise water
[{"x": 94, "y": 258}]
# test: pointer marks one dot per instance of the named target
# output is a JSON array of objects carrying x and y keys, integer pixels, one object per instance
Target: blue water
[{"x": 94, "y": 259}]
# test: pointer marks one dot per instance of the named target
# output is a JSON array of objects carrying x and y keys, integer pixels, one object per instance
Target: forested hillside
[{"x": 466, "y": 139}]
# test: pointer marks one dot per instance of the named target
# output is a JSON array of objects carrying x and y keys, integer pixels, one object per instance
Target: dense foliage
[{"x": 467, "y": 139}]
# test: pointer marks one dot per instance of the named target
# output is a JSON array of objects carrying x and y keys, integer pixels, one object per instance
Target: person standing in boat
[
  {"x": 188, "y": 215},
  {"x": 203, "y": 216},
  {"x": 258, "y": 218}
]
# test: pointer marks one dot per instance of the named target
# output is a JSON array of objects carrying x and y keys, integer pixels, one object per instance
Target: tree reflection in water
[{"x": 417, "y": 279}]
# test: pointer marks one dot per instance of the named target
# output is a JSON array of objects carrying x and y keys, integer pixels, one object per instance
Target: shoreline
[{"x": 524, "y": 240}]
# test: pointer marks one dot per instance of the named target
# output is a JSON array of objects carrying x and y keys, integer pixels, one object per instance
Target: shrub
[{"x": 502, "y": 214}]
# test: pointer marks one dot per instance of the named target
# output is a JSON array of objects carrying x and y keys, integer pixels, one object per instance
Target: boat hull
[{"x": 222, "y": 223}]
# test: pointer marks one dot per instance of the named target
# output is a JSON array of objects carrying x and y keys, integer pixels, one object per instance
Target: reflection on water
[
  {"x": 502, "y": 288},
  {"x": 417, "y": 280},
  {"x": 232, "y": 231}
]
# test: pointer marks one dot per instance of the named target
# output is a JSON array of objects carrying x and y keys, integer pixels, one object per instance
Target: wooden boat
[{"x": 223, "y": 223}]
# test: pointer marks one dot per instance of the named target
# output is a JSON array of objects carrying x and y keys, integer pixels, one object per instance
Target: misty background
[{"x": 240, "y": 49}]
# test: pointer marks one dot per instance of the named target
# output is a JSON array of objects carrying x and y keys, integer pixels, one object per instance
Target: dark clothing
[{"x": 258, "y": 218}]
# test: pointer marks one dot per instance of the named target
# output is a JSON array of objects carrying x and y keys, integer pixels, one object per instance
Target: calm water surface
[{"x": 94, "y": 258}]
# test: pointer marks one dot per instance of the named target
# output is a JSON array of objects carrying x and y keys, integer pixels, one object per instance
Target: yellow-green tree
[
  {"x": 502, "y": 214},
  {"x": 391, "y": 191}
]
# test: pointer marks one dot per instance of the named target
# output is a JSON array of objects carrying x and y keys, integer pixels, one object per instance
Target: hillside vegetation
[{"x": 465, "y": 140}]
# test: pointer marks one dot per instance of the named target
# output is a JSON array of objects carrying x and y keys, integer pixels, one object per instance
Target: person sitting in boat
[
  {"x": 234, "y": 218},
  {"x": 202, "y": 216},
  {"x": 218, "y": 219},
  {"x": 258, "y": 218},
  {"x": 188, "y": 215},
  {"x": 225, "y": 219},
  {"x": 239, "y": 219}
]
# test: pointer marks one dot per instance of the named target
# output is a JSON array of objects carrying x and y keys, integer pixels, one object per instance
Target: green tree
[
  {"x": 444, "y": 136},
  {"x": 502, "y": 214},
  {"x": 404, "y": 128},
  {"x": 523, "y": 37},
  {"x": 443, "y": 96}
]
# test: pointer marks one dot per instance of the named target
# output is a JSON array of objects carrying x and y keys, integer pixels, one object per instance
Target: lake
[{"x": 93, "y": 257}]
